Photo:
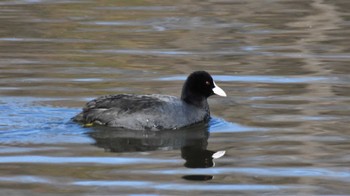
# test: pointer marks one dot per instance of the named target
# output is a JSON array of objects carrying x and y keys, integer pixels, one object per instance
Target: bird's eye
[{"x": 207, "y": 83}]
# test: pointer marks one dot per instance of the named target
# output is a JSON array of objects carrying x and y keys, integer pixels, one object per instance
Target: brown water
[{"x": 284, "y": 126}]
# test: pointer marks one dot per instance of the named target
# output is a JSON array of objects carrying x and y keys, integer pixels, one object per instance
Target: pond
[{"x": 283, "y": 129}]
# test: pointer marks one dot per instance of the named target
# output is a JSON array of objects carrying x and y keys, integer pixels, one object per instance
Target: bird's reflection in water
[{"x": 191, "y": 141}]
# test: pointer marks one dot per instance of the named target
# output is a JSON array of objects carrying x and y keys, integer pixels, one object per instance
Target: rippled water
[{"x": 283, "y": 127}]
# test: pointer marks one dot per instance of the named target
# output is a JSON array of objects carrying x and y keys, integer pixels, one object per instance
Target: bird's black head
[{"x": 198, "y": 87}]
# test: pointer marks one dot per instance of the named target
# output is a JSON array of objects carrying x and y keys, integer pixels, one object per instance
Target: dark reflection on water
[
  {"x": 191, "y": 141},
  {"x": 198, "y": 177},
  {"x": 120, "y": 140}
]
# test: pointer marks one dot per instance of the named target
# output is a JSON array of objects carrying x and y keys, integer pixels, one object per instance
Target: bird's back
[{"x": 141, "y": 112}]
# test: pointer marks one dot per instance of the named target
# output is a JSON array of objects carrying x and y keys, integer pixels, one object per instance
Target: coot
[{"x": 154, "y": 112}]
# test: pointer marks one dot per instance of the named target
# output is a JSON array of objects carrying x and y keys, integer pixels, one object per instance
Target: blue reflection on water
[
  {"x": 179, "y": 186},
  {"x": 339, "y": 174},
  {"x": 99, "y": 160},
  {"x": 218, "y": 125},
  {"x": 22, "y": 121},
  {"x": 258, "y": 79},
  {"x": 25, "y": 179}
]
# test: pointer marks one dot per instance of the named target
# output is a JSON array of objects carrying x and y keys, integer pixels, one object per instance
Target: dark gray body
[{"x": 143, "y": 112}]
